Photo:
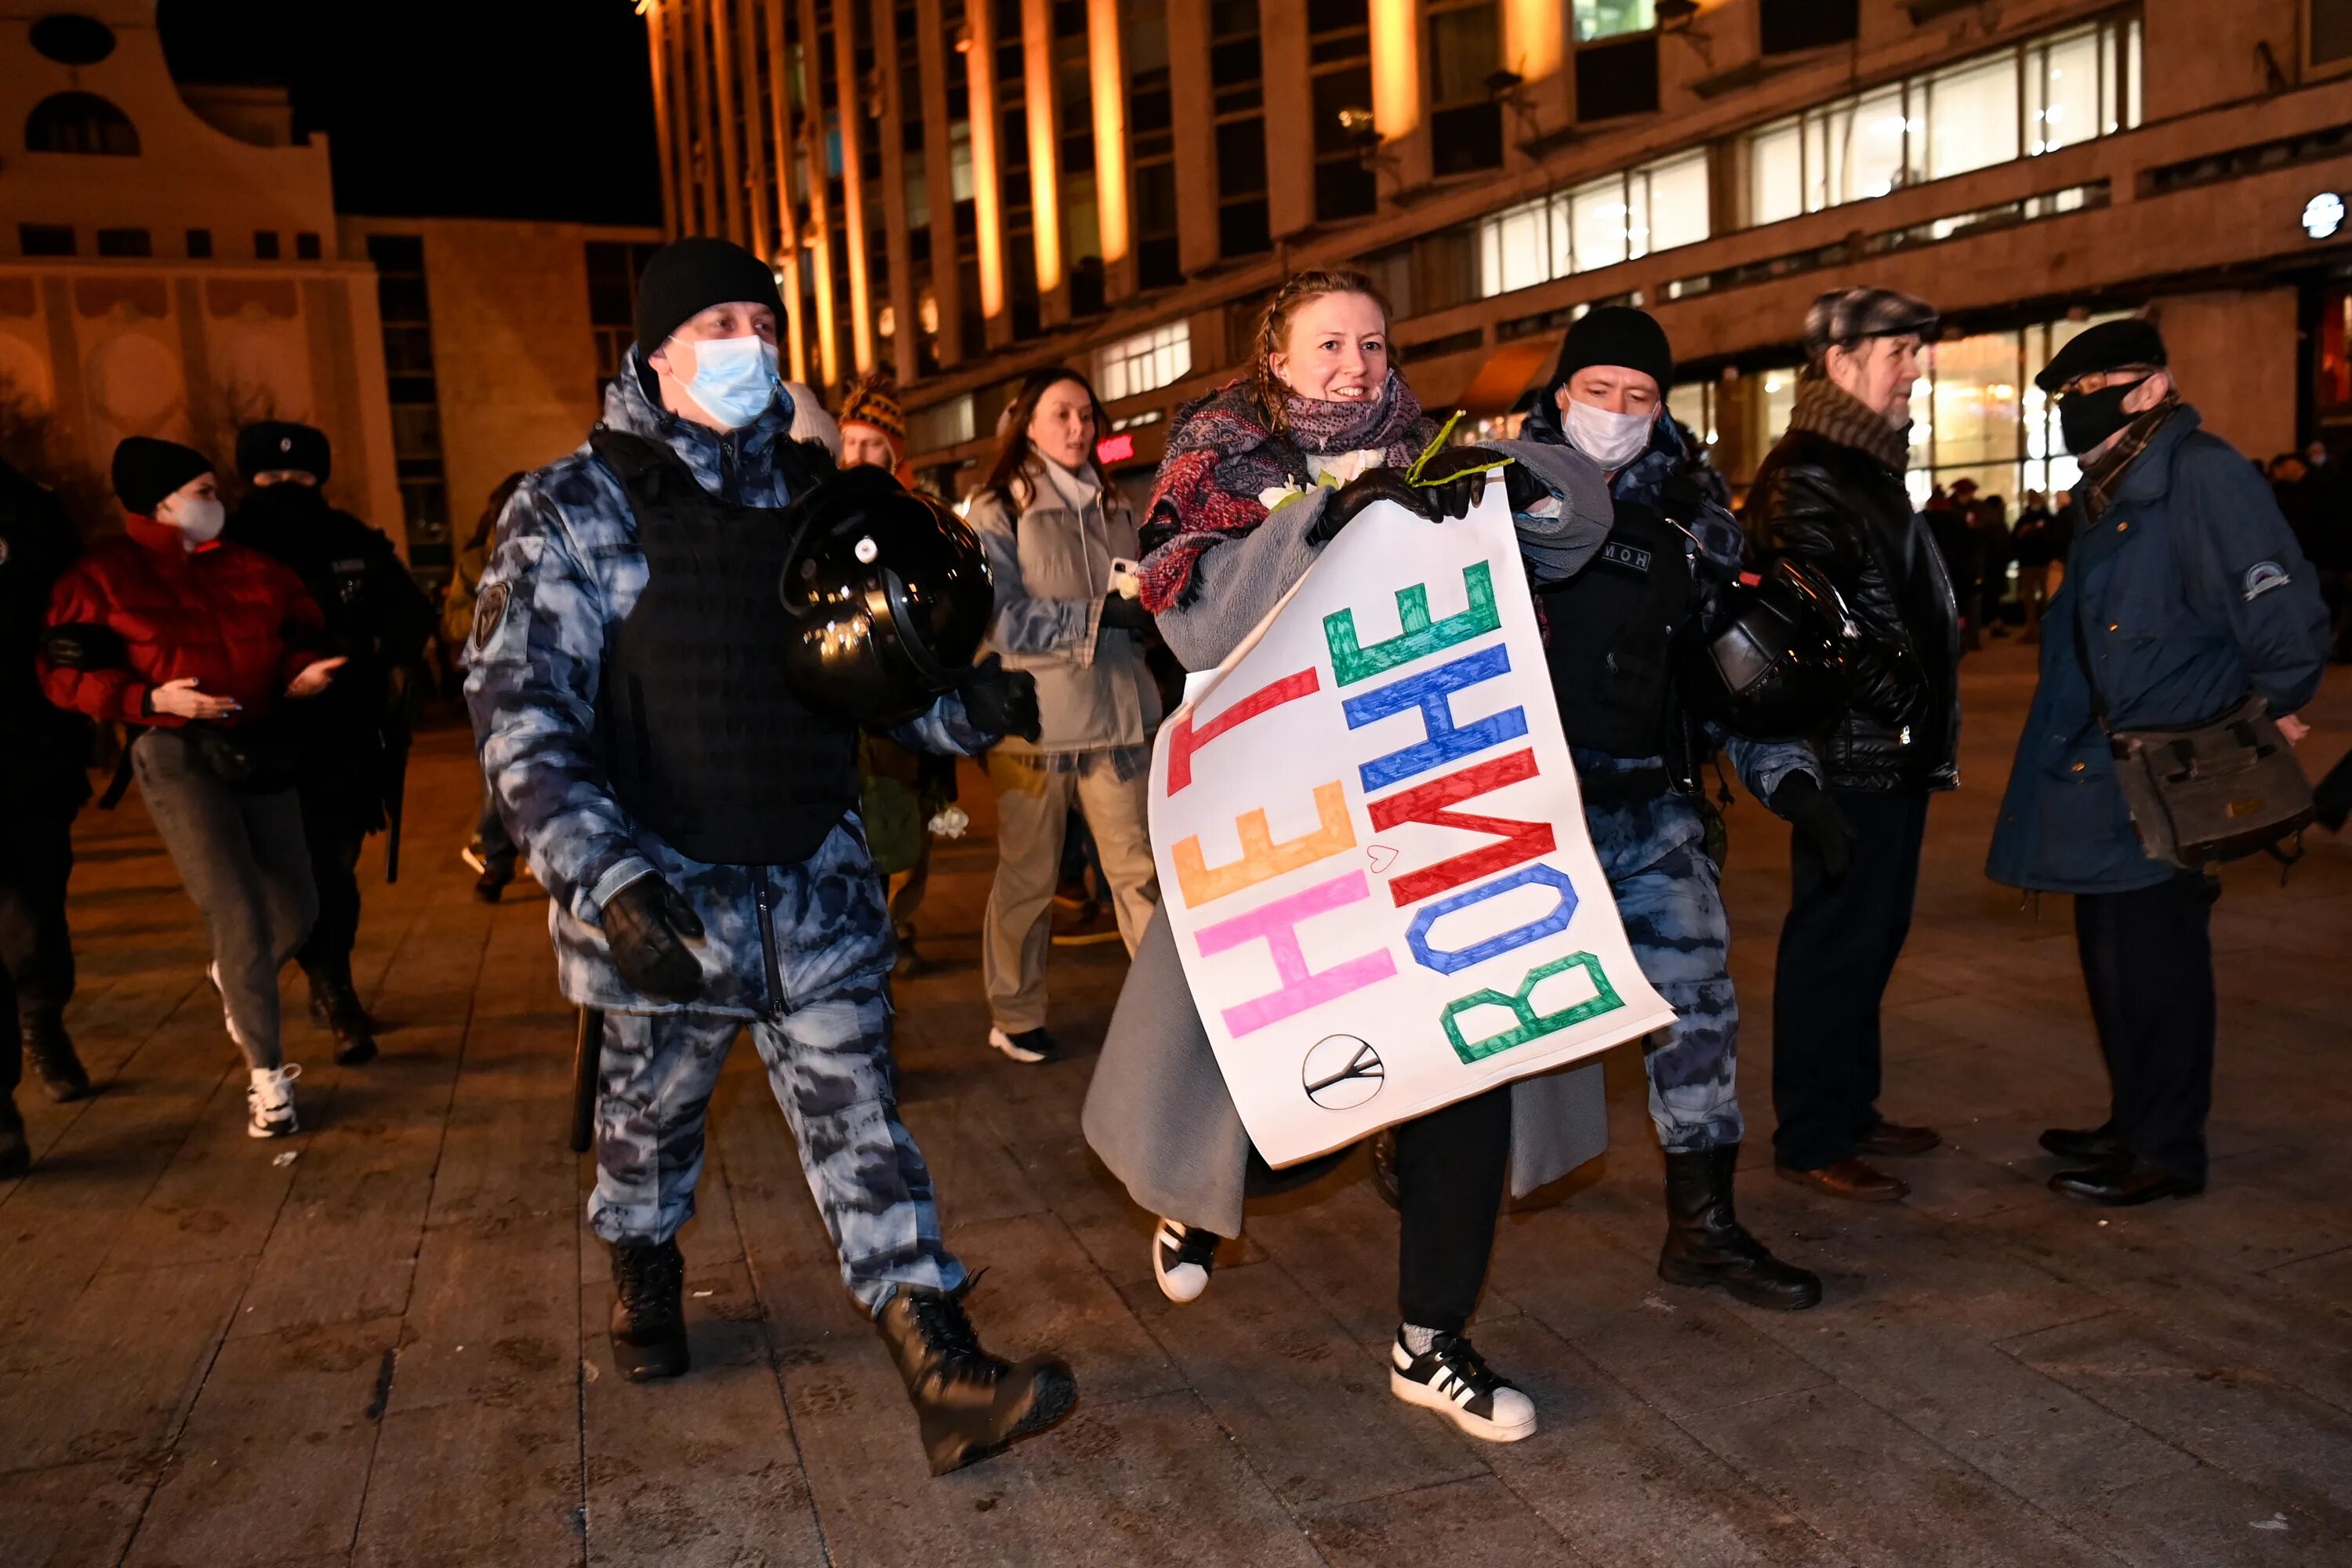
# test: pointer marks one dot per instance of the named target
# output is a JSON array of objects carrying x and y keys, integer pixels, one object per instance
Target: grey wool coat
[{"x": 1158, "y": 1112}]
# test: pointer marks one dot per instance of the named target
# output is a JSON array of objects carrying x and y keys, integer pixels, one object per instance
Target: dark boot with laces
[
  {"x": 1706, "y": 1245},
  {"x": 335, "y": 1002},
  {"x": 49, "y": 1052},
  {"x": 970, "y": 1402},
  {"x": 648, "y": 1310}
]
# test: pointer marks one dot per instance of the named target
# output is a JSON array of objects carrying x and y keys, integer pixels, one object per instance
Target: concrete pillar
[
  {"x": 1397, "y": 114},
  {"x": 725, "y": 178},
  {"x": 657, "y": 62},
  {"x": 894, "y": 192},
  {"x": 2233, "y": 354},
  {"x": 849, "y": 94},
  {"x": 1289, "y": 119},
  {"x": 1041, "y": 96},
  {"x": 938, "y": 160},
  {"x": 820, "y": 221},
  {"x": 1535, "y": 45},
  {"x": 988, "y": 204},
  {"x": 1196, "y": 134},
  {"x": 771, "y": 15},
  {"x": 742, "y": 23},
  {"x": 1107, "y": 74}
]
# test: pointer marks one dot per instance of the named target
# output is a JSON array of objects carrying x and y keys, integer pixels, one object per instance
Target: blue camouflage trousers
[
  {"x": 1653, "y": 849},
  {"x": 827, "y": 1047}
]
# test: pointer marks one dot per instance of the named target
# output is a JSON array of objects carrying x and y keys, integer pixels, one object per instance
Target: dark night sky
[{"x": 523, "y": 109}]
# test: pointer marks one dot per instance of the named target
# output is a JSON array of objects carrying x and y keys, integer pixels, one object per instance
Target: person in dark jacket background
[
  {"x": 42, "y": 785},
  {"x": 2185, "y": 589},
  {"x": 1832, "y": 495},
  {"x": 352, "y": 746}
]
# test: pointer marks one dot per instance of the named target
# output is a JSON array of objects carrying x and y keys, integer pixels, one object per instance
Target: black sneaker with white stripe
[
  {"x": 1181, "y": 1258},
  {"x": 1453, "y": 1379}
]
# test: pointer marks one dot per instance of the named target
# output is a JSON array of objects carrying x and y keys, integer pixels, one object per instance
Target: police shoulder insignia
[
  {"x": 1625, "y": 555},
  {"x": 489, "y": 611},
  {"x": 2263, "y": 576}
]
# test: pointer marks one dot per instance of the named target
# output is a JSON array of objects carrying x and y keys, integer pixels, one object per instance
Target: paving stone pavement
[{"x": 390, "y": 1348}]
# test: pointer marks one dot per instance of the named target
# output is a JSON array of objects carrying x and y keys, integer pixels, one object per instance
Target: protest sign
[{"x": 1372, "y": 850}]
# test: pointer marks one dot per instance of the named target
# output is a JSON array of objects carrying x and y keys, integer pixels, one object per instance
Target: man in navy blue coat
[{"x": 2185, "y": 590}]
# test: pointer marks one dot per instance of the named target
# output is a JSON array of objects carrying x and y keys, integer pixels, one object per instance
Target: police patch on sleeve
[
  {"x": 2261, "y": 577},
  {"x": 489, "y": 611}
]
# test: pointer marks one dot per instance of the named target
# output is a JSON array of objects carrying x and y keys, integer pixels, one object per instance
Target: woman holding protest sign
[
  {"x": 1258, "y": 478},
  {"x": 1057, "y": 531}
]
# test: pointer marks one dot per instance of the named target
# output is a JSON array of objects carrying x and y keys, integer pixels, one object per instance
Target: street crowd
[{"x": 720, "y": 662}]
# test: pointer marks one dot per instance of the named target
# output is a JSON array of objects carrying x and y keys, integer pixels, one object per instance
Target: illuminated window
[
  {"x": 1608, "y": 19},
  {"x": 1144, "y": 362},
  {"x": 940, "y": 426},
  {"x": 1619, "y": 217}
]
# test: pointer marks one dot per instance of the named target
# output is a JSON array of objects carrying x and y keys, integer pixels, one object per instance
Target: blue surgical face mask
[{"x": 734, "y": 378}]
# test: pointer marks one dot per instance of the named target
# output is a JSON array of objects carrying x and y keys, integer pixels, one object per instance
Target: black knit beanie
[
  {"x": 1617, "y": 334},
  {"x": 146, "y": 471},
  {"x": 687, "y": 277},
  {"x": 273, "y": 444}
]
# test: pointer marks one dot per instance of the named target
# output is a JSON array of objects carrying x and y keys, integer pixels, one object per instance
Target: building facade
[{"x": 963, "y": 190}]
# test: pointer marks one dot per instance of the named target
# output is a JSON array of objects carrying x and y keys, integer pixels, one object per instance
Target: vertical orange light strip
[
  {"x": 849, "y": 114},
  {"x": 890, "y": 138},
  {"x": 726, "y": 186},
  {"x": 820, "y": 219},
  {"x": 1396, "y": 68},
  {"x": 788, "y": 232},
  {"x": 744, "y": 22},
  {"x": 1106, "y": 70},
  {"x": 932, "y": 55},
  {"x": 658, "y": 61},
  {"x": 1533, "y": 40},
  {"x": 987, "y": 194},
  {"x": 1044, "y": 140}
]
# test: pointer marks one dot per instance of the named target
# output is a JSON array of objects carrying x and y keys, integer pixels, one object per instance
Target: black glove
[
  {"x": 1456, "y": 477},
  {"x": 1525, "y": 490},
  {"x": 1001, "y": 701},
  {"x": 84, "y": 645},
  {"x": 1821, "y": 826},
  {"x": 1120, "y": 613},
  {"x": 647, "y": 927},
  {"x": 1371, "y": 484}
]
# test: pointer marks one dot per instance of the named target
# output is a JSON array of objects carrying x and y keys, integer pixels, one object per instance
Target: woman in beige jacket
[{"x": 1053, "y": 524}]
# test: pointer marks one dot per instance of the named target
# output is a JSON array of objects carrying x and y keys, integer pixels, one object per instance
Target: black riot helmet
[
  {"x": 1768, "y": 661},
  {"x": 890, "y": 596}
]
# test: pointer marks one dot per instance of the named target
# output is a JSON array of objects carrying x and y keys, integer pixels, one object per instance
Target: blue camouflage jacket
[
  {"x": 566, "y": 570},
  {"x": 2189, "y": 592}
]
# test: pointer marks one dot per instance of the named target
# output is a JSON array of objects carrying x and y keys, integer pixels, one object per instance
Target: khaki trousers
[{"x": 1033, "y": 805}]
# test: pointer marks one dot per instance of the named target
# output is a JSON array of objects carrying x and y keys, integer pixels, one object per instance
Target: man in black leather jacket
[{"x": 1831, "y": 494}]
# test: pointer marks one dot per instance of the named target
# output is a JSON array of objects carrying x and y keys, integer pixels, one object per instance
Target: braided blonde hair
[{"x": 1273, "y": 328}]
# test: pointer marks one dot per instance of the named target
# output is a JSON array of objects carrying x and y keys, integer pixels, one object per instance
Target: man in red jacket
[{"x": 196, "y": 641}]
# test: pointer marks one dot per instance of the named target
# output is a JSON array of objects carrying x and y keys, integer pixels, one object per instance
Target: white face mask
[
  {"x": 199, "y": 520},
  {"x": 1612, "y": 440},
  {"x": 734, "y": 378}
]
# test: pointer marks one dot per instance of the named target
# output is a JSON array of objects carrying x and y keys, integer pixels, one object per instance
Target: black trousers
[
  {"x": 36, "y": 958},
  {"x": 2148, "y": 963},
  {"x": 1450, "y": 1169},
  {"x": 335, "y": 827},
  {"x": 497, "y": 845},
  {"x": 1838, "y": 949}
]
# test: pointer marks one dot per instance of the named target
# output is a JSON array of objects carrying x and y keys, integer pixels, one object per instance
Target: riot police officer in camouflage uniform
[
  {"x": 694, "y": 820},
  {"x": 1612, "y": 636},
  {"x": 351, "y": 744}
]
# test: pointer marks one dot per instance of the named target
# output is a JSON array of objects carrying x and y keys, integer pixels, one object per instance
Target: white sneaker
[
  {"x": 1181, "y": 1258},
  {"x": 1452, "y": 1379},
  {"x": 1029, "y": 1046},
  {"x": 269, "y": 1102},
  {"x": 228, "y": 1019}
]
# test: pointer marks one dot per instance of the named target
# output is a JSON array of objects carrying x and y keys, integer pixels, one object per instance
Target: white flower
[
  {"x": 1347, "y": 465},
  {"x": 1275, "y": 495}
]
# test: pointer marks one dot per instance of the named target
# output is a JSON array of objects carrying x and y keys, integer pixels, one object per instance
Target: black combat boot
[
  {"x": 1706, "y": 1245},
  {"x": 970, "y": 1404},
  {"x": 335, "y": 1002},
  {"x": 15, "y": 1154},
  {"x": 648, "y": 1310},
  {"x": 49, "y": 1052}
]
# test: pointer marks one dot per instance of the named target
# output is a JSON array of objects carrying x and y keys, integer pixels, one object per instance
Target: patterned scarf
[
  {"x": 1222, "y": 459},
  {"x": 1831, "y": 412},
  {"x": 2103, "y": 473}
]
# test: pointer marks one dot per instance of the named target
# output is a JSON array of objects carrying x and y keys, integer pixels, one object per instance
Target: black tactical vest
[
  {"x": 704, "y": 742},
  {"x": 1612, "y": 628}
]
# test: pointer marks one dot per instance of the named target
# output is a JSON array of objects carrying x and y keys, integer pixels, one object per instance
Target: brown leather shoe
[
  {"x": 1849, "y": 1179},
  {"x": 1894, "y": 1138}
]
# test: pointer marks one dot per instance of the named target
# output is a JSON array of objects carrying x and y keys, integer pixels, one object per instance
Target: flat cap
[
  {"x": 1843, "y": 317},
  {"x": 2110, "y": 345}
]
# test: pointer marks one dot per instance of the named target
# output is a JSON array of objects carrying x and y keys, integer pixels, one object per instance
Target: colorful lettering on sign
[
  {"x": 1420, "y": 637},
  {"x": 1428, "y": 802},
  {"x": 1444, "y": 962},
  {"x": 1184, "y": 739},
  {"x": 1278, "y": 923},
  {"x": 1532, "y": 1025},
  {"x": 1432, "y": 692},
  {"x": 1262, "y": 859}
]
